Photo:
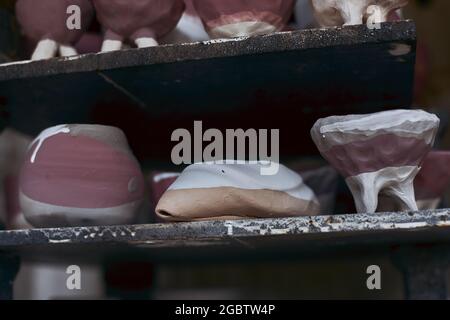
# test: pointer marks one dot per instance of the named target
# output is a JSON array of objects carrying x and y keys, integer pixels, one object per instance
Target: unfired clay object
[
  {"x": 231, "y": 191},
  {"x": 80, "y": 175},
  {"x": 378, "y": 153},
  {"x": 235, "y": 18},
  {"x": 45, "y": 22},
  {"x": 141, "y": 21},
  {"x": 330, "y": 13}
]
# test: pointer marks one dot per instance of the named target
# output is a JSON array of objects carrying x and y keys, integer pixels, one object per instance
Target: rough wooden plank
[
  {"x": 326, "y": 226},
  {"x": 303, "y": 75}
]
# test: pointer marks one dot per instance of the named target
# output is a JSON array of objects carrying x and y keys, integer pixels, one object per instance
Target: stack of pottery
[
  {"x": 80, "y": 175},
  {"x": 378, "y": 154}
]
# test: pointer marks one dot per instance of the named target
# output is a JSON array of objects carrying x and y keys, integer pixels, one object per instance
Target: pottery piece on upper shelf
[
  {"x": 141, "y": 21},
  {"x": 77, "y": 175},
  {"x": 206, "y": 191},
  {"x": 378, "y": 153},
  {"x": 189, "y": 29},
  {"x": 46, "y": 22},
  {"x": 236, "y": 18},
  {"x": 331, "y": 13}
]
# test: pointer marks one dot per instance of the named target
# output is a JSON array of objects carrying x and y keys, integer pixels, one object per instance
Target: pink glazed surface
[
  {"x": 382, "y": 151},
  {"x": 136, "y": 18},
  {"x": 433, "y": 179},
  {"x": 81, "y": 172},
  {"x": 47, "y": 19},
  {"x": 216, "y": 13}
]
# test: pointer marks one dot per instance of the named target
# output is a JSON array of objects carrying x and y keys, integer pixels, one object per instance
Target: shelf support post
[{"x": 425, "y": 271}]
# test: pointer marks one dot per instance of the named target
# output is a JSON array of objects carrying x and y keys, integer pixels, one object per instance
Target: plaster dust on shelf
[
  {"x": 229, "y": 190},
  {"x": 378, "y": 154},
  {"x": 141, "y": 21},
  {"x": 237, "y": 18},
  {"x": 331, "y": 13},
  {"x": 77, "y": 175},
  {"x": 52, "y": 34}
]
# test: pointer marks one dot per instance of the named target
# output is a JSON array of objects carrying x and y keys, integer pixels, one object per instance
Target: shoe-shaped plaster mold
[
  {"x": 207, "y": 191},
  {"x": 77, "y": 175},
  {"x": 331, "y": 13},
  {"x": 379, "y": 153},
  {"x": 236, "y": 18},
  {"x": 45, "y": 22},
  {"x": 141, "y": 21}
]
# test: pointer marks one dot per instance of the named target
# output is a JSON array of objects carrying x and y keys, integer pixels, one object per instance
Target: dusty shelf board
[
  {"x": 302, "y": 234},
  {"x": 305, "y": 74}
]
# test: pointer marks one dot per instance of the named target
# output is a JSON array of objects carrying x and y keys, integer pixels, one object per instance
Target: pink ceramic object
[
  {"x": 45, "y": 23},
  {"x": 330, "y": 13},
  {"x": 80, "y": 175},
  {"x": 159, "y": 183},
  {"x": 141, "y": 21},
  {"x": 235, "y": 18},
  {"x": 379, "y": 153},
  {"x": 207, "y": 191},
  {"x": 433, "y": 180}
]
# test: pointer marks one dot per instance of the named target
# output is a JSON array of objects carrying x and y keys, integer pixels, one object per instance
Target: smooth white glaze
[{"x": 244, "y": 176}]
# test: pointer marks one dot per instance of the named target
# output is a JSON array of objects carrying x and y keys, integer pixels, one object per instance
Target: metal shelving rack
[{"x": 309, "y": 73}]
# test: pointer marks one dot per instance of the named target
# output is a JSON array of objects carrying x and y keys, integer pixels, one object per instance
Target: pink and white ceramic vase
[
  {"x": 235, "y": 18},
  {"x": 55, "y": 25},
  {"x": 141, "y": 21},
  {"x": 378, "y": 154},
  {"x": 77, "y": 175}
]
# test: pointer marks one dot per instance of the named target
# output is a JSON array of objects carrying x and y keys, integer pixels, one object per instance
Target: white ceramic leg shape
[
  {"x": 146, "y": 42},
  {"x": 45, "y": 49},
  {"x": 67, "y": 51},
  {"x": 395, "y": 184},
  {"x": 111, "y": 45}
]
